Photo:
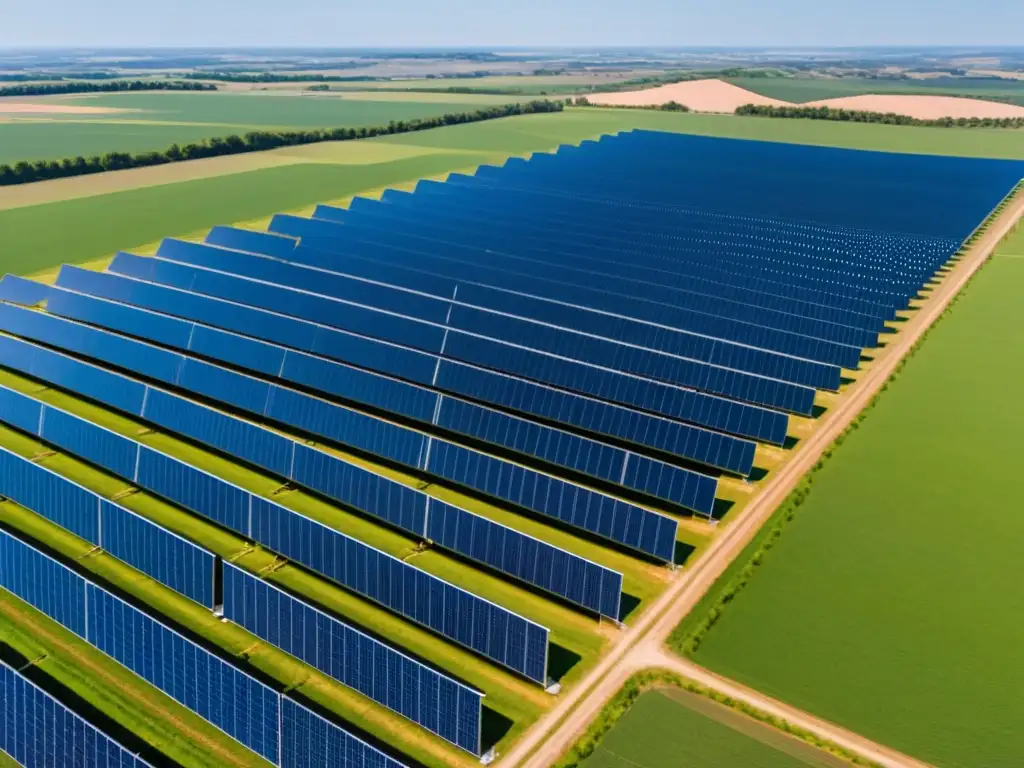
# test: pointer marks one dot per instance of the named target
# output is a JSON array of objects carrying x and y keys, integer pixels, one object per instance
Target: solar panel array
[
  {"x": 38, "y": 730},
  {"x": 141, "y": 543},
  {"x": 478, "y": 624},
  {"x": 589, "y": 337},
  {"x": 241, "y": 706}
]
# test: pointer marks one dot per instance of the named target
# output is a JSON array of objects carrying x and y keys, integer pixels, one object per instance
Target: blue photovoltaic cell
[
  {"x": 43, "y": 583},
  {"x": 273, "y": 451},
  {"x": 532, "y": 490},
  {"x": 528, "y": 559},
  {"x": 540, "y": 441},
  {"x": 394, "y": 584},
  {"x": 189, "y": 570},
  {"x": 142, "y": 544},
  {"x": 239, "y": 705},
  {"x": 168, "y": 558},
  {"x": 46, "y": 493},
  {"x": 586, "y": 378},
  {"x": 37, "y": 730},
  {"x": 254, "y": 242},
  {"x": 310, "y": 741},
  {"x": 354, "y": 659},
  {"x": 602, "y": 515},
  {"x": 413, "y": 311}
]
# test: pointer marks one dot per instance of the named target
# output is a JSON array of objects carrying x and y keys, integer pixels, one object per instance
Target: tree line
[
  {"x": 885, "y": 118},
  {"x": 668, "y": 106},
  {"x": 257, "y": 141},
  {"x": 116, "y": 86},
  {"x": 274, "y": 77}
]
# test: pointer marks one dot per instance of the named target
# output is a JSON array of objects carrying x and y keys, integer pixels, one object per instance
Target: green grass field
[
  {"x": 898, "y": 574},
  {"x": 800, "y": 90},
  {"x": 669, "y": 728},
  {"x": 162, "y": 119},
  {"x": 92, "y": 227}
]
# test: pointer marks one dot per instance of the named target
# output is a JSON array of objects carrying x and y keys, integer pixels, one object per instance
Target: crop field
[
  {"x": 163, "y": 204},
  {"x": 800, "y": 90},
  {"x": 671, "y": 727},
  {"x": 154, "y": 121},
  {"x": 911, "y": 533}
]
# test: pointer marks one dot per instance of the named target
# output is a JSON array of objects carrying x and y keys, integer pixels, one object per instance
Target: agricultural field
[
  {"x": 130, "y": 209},
  {"x": 672, "y": 727},
  {"x": 803, "y": 89},
  {"x": 911, "y": 534},
  {"x": 138, "y": 122}
]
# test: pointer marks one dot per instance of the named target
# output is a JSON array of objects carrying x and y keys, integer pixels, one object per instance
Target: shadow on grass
[
  {"x": 790, "y": 442},
  {"x": 844, "y": 380},
  {"x": 816, "y": 413},
  {"x": 561, "y": 661},
  {"x": 684, "y": 551},
  {"x": 493, "y": 727},
  {"x": 80, "y": 706},
  {"x": 757, "y": 474},
  {"x": 628, "y": 604}
]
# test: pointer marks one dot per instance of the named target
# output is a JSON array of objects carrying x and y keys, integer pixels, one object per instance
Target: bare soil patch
[
  {"x": 53, "y": 108},
  {"x": 923, "y": 107},
  {"x": 698, "y": 95}
]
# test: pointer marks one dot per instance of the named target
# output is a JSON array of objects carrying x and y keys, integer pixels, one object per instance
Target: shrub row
[
  {"x": 887, "y": 118},
  {"x": 113, "y": 86},
  {"x": 25, "y": 172},
  {"x": 687, "y": 641},
  {"x": 668, "y": 106},
  {"x": 659, "y": 678}
]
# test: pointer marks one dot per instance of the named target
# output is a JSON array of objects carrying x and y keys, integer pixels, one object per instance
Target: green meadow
[
  {"x": 157, "y": 120},
  {"x": 900, "y": 570},
  {"x": 673, "y": 728}
]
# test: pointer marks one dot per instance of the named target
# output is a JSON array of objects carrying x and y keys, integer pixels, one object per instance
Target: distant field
[
  {"x": 801, "y": 90},
  {"x": 162, "y": 119},
  {"x": 92, "y": 227},
  {"x": 890, "y": 604},
  {"x": 682, "y": 730}
]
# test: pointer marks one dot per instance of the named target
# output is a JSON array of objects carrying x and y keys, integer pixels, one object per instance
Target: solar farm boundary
[{"x": 552, "y": 735}]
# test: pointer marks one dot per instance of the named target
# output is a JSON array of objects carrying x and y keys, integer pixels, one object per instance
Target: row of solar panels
[
  {"x": 342, "y": 652},
  {"x": 897, "y": 193},
  {"x": 534, "y": 491},
  {"x": 272, "y": 725},
  {"x": 529, "y": 560},
  {"x": 459, "y": 616}
]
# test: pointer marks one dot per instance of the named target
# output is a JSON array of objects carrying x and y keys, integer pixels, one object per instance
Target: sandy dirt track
[
  {"x": 698, "y": 95},
  {"x": 719, "y": 96},
  {"x": 641, "y": 645},
  {"x": 52, "y": 108}
]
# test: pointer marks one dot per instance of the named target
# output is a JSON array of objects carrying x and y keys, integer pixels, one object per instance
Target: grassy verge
[
  {"x": 654, "y": 678},
  {"x": 688, "y": 635}
]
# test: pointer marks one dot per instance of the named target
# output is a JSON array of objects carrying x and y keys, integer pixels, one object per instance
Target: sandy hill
[
  {"x": 719, "y": 96},
  {"x": 698, "y": 95}
]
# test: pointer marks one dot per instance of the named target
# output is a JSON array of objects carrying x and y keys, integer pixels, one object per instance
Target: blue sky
[{"x": 510, "y": 22}]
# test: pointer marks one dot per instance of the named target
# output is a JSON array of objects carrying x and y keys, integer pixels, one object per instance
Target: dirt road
[{"x": 551, "y": 736}]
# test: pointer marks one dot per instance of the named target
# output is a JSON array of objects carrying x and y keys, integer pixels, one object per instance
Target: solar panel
[
  {"x": 321, "y": 418},
  {"x": 509, "y": 290},
  {"x": 318, "y": 471},
  {"x": 310, "y": 741},
  {"x": 189, "y": 569},
  {"x": 537, "y": 440},
  {"x": 428, "y": 698},
  {"x": 43, "y": 583},
  {"x": 663, "y": 399},
  {"x": 142, "y": 544},
  {"x": 38, "y": 730},
  {"x": 238, "y": 704},
  {"x": 453, "y": 322},
  {"x": 646, "y": 301}
]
